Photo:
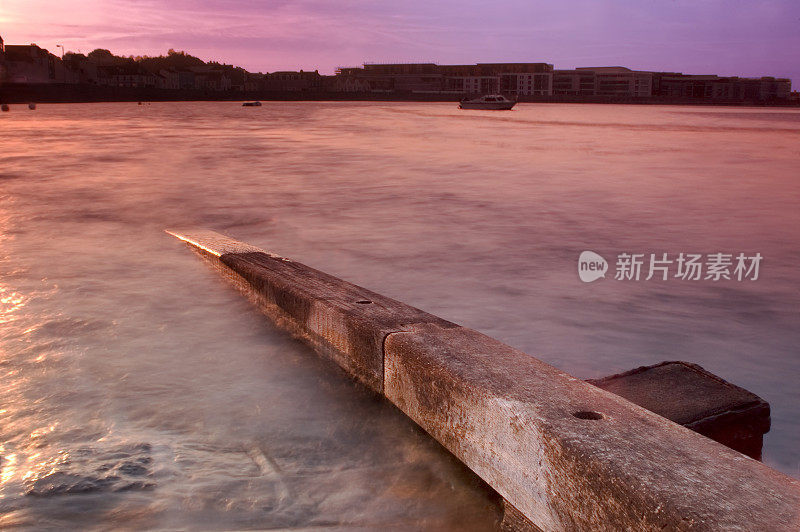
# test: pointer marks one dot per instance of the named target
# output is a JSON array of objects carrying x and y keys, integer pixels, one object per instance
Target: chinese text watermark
[{"x": 666, "y": 266}]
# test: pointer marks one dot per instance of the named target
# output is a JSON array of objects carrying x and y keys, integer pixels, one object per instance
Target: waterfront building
[
  {"x": 712, "y": 87},
  {"x": 512, "y": 79},
  {"x": 404, "y": 77},
  {"x": 620, "y": 81},
  {"x": 168, "y": 78},
  {"x": 346, "y": 83},
  {"x": 522, "y": 79},
  {"x": 3, "y": 72},
  {"x": 210, "y": 77},
  {"x": 468, "y": 79},
  {"x": 574, "y": 82},
  {"x": 186, "y": 79},
  {"x": 254, "y": 82},
  {"x": 291, "y": 81},
  {"x": 80, "y": 69},
  {"x": 29, "y": 63},
  {"x": 126, "y": 75}
]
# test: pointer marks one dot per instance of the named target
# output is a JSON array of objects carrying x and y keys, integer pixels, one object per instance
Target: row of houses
[
  {"x": 193, "y": 78},
  {"x": 624, "y": 82},
  {"x": 527, "y": 79},
  {"x": 200, "y": 78},
  {"x": 32, "y": 64},
  {"x": 541, "y": 79}
]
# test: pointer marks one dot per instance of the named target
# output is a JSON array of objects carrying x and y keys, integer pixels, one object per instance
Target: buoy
[
  {"x": 4, "y": 107},
  {"x": 32, "y": 106}
]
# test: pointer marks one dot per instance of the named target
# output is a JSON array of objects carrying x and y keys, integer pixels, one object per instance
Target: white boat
[{"x": 493, "y": 102}]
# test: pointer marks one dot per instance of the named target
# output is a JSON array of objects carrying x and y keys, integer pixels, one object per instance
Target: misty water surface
[{"x": 140, "y": 390}]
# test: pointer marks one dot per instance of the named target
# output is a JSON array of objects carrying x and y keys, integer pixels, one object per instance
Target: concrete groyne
[{"x": 563, "y": 453}]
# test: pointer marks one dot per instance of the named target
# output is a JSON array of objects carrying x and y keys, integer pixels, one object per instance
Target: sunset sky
[{"x": 727, "y": 37}]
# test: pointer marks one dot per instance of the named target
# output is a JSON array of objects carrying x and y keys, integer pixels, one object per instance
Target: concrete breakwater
[{"x": 567, "y": 455}]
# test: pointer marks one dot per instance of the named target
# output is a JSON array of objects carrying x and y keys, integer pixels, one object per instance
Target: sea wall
[
  {"x": 83, "y": 93},
  {"x": 565, "y": 454}
]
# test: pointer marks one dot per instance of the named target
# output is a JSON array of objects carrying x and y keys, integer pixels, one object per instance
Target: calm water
[{"x": 139, "y": 390}]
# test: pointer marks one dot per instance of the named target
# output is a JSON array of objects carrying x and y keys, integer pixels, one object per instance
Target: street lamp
[{"x": 63, "y": 66}]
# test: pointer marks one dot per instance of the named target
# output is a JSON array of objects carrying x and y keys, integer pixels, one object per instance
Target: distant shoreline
[{"x": 75, "y": 93}]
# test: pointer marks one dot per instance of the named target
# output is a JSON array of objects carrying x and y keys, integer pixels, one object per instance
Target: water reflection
[{"x": 10, "y": 302}]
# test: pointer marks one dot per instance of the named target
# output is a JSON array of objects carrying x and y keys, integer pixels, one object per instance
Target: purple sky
[{"x": 727, "y": 37}]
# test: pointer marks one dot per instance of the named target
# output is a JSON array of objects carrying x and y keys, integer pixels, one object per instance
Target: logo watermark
[
  {"x": 591, "y": 266},
  {"x": 665, "y": 266}
]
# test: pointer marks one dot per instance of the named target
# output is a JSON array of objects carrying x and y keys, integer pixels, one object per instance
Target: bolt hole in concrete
[
  {"x": 588, "y": 414},
  {"x": 364, "y": 302}
]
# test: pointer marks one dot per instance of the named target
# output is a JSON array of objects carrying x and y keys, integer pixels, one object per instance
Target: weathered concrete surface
[
  {"x": 354, "y": 321},
  {"x": 344, "y": 321},
  {"x": 566, "y": 454},
  {"x": 571, "y": 456},
  {"x": 697, "y": 399},
  {"x": 515, "y": 521}
]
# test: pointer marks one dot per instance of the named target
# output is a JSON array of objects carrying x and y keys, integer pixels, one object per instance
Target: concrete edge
[
  {"x": 215, "y": 243},
  {"x": 755, "y": 402}
]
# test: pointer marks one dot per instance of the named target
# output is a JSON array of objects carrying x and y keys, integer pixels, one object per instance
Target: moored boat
[
  {"x": 251, "y": 104},
  {"x": 492, "y": 102}
]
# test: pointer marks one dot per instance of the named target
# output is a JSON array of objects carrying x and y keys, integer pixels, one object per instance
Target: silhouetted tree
[
  {"x": 101, "y": 56},
  {"x": 177, "y": 60}
]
